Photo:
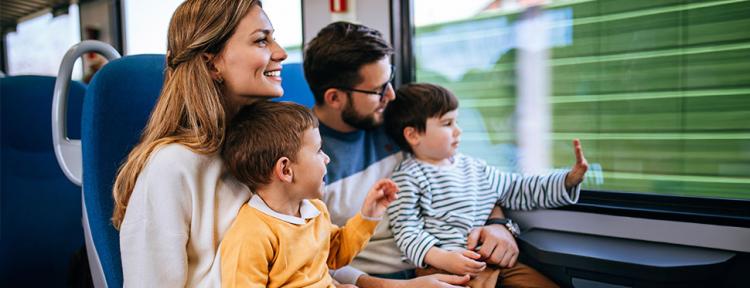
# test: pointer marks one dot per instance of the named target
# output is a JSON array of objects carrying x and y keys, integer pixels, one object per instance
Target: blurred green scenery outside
[{"x": 657, "y": 91}]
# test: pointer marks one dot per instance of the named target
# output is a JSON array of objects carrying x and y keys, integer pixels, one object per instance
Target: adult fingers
[
  {"x": 507, "y": 257},
  {"x": 473, "y": 239},
  {"x": 513, "y": 260},
  {"x": 489, "y": 246},
  {"x": 498, "y": 255}
]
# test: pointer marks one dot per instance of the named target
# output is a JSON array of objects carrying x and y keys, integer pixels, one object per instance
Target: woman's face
[{"x": 250, "y": 63}]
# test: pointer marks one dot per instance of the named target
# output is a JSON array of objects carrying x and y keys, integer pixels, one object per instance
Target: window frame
[{"x": 646, "y": 205}]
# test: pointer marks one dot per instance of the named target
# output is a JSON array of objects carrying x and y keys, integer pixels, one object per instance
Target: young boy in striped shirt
[
  {"x": 283, "y": 236},
  {"x": 443, "y": 194}
]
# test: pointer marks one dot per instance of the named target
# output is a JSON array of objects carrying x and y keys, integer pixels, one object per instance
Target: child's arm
[
  {"x": 348, "y": 240},
  {"x": 540, "y": 191},
  {"x": 245, "y": 258},
  {"x": 406, "y": 220}
]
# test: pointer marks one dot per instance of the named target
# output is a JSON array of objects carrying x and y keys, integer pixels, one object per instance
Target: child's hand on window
[
  {"x": 575, "y": 176},
  {"x": 380, "y": 196},
  {"x": 459, "y": 262}
]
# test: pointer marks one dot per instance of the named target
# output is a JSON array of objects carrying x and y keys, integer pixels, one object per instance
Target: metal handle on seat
[{"x": 68, "y": 151}]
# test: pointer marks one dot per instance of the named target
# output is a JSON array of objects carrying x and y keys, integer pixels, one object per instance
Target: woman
[{"x": 173, "y": 197}]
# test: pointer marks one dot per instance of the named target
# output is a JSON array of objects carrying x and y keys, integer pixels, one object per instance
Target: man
[{"x": 348, "y": 69}]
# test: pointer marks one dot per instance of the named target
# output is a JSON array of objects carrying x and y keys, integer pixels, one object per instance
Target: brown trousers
[{"x": 518, "y": 276}]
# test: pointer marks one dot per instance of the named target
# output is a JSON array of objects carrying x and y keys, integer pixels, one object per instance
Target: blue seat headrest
[
  {"x": 27, "y": 111},
  {"x": 295, "y": 85}
]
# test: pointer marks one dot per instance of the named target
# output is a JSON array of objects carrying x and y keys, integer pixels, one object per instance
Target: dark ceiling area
[{"x": 11, "y": 11}]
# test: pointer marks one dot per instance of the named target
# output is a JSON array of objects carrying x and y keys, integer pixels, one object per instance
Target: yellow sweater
[{"x": 262, "y": 251}]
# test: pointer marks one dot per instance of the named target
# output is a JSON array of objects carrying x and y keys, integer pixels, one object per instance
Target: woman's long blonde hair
[{"x": 190, "y": 109}]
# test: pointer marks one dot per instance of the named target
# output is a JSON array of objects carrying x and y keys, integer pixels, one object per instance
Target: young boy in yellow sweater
[{"x": 283, "y": 236}]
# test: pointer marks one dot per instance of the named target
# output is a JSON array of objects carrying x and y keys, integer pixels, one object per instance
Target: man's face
[{"x": 365, "y": 110}]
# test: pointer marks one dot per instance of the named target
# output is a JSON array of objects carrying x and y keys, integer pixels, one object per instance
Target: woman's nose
[{"x": 278, "y": 53}]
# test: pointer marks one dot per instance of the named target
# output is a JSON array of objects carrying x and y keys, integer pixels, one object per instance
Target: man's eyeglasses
[{"x": 383, "y": 88}]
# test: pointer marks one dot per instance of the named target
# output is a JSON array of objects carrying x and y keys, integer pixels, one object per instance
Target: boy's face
[
  {"x": 310, "y": 166},
  {"x": 440, "y": 139}
]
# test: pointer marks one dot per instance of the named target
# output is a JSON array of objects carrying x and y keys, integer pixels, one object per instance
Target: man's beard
[{"x": 354, "y": 119}]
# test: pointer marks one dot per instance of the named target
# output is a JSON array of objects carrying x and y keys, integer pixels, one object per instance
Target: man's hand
[
  {"x": 380, "y": 196},
  {"x": 575, "y": 176},
  {"x": 461, "y": 262},
  {"x": 498, "y": 245}
]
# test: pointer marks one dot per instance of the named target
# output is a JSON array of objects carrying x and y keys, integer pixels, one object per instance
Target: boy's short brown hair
[
  {"x": 260, "y": 134},
  {"x": 414, "y": 104}
]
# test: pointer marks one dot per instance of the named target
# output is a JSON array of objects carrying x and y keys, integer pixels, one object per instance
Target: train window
[
  {"x": 286, "y": 16},
  {"x": 39, "y": 43},
  {"x": 656, "y": 90},
  {"x": 142, "y": 17},
  {"x": 146, "y": 24}
]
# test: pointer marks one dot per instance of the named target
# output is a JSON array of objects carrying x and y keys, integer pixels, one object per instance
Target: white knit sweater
[{"x": 182, "y": 205}]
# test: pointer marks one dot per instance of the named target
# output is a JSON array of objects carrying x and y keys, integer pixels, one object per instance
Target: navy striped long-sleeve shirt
[{"x": 439, "y": 205}]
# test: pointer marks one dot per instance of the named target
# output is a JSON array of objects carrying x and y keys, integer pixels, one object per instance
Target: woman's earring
[{"x": 219, "y": 79}]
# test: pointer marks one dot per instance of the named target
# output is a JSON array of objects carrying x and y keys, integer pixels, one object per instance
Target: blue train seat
[
  {"x": 295, "y": 85},
  {"x": 40, "y": 210},
  {"x": 117, "y": 106}
]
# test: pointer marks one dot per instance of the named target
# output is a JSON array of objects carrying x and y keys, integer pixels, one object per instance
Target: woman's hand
[
  {"x": 459, "y": 262},
  {"x": 380, "y": 196},
  {"x": 575, "y": 176}
]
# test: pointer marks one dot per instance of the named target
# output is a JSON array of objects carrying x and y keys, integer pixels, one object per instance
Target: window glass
[
  {"x": 39, "y": 44},
  {"x": 657, "y": 91},
  {"x": 286, "y": 17},
  {"x": 147, "y": 22}
]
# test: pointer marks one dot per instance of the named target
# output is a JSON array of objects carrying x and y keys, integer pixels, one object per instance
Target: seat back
[
  {"x": 118, "y": 103},
  {"x": 40, "y": 220},
  {"x": 295, "y": 86}
]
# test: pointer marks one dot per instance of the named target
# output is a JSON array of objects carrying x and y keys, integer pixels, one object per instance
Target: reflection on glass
[
  {"x": 39, "y": 44},
  {"x": 656, "y": 90}
]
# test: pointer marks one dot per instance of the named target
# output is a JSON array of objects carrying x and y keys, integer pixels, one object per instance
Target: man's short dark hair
[
  {"x": 414, "y": 104},
  {"x": 260, "y": 134},
  {"x": 333, "y": 58}
]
